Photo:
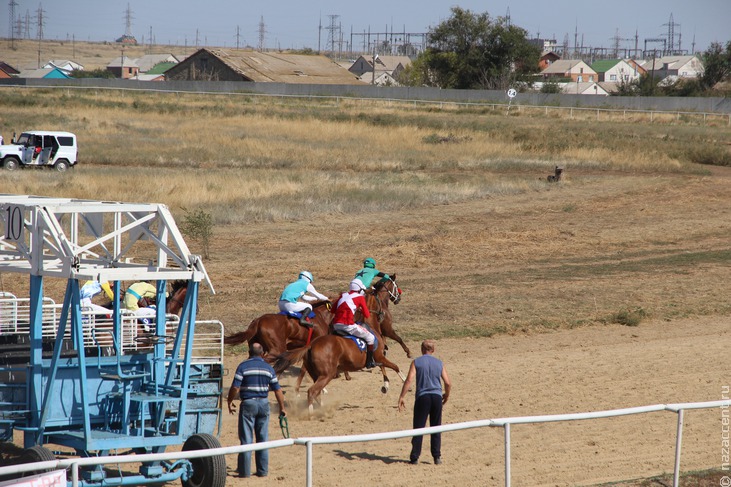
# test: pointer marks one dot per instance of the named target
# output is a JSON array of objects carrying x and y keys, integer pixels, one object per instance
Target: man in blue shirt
[
  {"x": 427, "y": 370},
  {"x": 253, "y": 380}
]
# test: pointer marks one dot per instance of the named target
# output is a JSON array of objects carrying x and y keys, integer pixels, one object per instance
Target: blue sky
[{"x": 294, "y": 23}]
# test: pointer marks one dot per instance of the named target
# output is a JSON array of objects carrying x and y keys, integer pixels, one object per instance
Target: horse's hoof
[{"x": 384, "y": 388}]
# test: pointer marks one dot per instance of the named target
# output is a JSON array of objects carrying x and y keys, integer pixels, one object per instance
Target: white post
[
  {"x": 507, "y": 454},
  {"x": 678, "y": 443},
  {"x": 308, "y": 446},
  {"x": 75, "y": 475}
]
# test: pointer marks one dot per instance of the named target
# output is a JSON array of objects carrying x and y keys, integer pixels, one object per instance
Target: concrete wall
[{"x": 682, "y": 104}]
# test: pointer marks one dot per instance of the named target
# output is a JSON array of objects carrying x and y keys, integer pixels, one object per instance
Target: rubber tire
[
  {"x": 62, "y": 165},
  {"x": 11, "y": 163},
  {"x": 207, "y": 471},
  {"x": 36, "y": 454}
]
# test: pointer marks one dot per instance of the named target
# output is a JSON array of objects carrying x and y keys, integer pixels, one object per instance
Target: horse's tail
[
  {"x": 243, "y": 336},
  {"x": 289, "y": 358}
]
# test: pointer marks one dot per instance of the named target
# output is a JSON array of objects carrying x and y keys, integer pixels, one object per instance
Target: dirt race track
[
  {"x": 538, "y": 275},
  {"x": 589, "y": 369}
]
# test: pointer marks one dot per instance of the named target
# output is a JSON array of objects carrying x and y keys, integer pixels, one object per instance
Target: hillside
[{"x": 91, "y": 55}]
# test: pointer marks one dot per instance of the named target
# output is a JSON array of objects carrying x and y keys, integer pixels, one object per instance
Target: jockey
[
  {"x": 302, "y": 288},
  {"x": 369, "y": 272},
  {"x": 137, "y": 292},
  {"x": 91, "y": 289},
  {"x": 344, "y": 320}
]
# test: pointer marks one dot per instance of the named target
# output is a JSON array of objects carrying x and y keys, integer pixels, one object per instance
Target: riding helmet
[
  {"x": 357, "y": 285},
  {"x": 369, "y": 262},
  {"x": 307, "y": 275}
]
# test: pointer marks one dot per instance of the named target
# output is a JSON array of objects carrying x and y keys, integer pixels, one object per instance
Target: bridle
[{"x": 394, "y": 295}]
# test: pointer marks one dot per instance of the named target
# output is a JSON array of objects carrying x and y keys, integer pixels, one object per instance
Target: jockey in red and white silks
[{"x": 344, "y": 319}]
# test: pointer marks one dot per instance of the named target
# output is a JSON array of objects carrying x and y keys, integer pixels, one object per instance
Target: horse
[
  {"x": 378, "y": 298},
  {"x": 328, "y": 355},
  {"x": 175, "y": 302},
  {"x": 278, "y": 333},
  {"x": 380, "y": 321}
]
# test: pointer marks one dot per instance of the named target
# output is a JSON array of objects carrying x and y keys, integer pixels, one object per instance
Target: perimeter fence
[
  {"x": 700, "y": 111},
  {"x": 308, "y": 442}
]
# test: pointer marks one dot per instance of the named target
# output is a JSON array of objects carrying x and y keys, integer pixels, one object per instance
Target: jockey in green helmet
[{"x": 369, "y": 272}]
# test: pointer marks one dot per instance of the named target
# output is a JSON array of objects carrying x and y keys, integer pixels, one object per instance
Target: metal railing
[
  {"x": 309, "y": 442},
  {"x": 15, "y": 318}
]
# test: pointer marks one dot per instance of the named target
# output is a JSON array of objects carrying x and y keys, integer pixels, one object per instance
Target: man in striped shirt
[{"x": 253, "y": 380}]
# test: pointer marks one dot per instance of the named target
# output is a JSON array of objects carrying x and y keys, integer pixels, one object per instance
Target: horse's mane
[{"x": 177, "y": 285}]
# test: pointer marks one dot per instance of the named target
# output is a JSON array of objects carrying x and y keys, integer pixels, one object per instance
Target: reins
[{"x": 375, "y": 292}]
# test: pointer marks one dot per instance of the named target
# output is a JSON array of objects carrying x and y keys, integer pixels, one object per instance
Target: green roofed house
[
  {"x": 160, "y": 68},
  {"x": 615, "y": 71}
]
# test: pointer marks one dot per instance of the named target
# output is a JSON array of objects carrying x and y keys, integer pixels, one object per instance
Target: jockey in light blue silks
[{"x": 302, "y": 288}]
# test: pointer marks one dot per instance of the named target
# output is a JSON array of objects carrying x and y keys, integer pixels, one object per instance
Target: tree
[
  {"x": 716, "y": 65},
  {"x": 473, "y": 51}
]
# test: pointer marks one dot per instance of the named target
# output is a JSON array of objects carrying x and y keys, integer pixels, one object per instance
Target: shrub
[
  {"x": 198, "y": 225},
  {"x": 629, "y": 317},
  {"x": 711, "y": 155}
]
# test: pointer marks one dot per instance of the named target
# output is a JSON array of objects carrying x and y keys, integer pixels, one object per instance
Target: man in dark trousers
[
  {"x": 253, "y": 380},
  {"x": 427, "y": 370}
]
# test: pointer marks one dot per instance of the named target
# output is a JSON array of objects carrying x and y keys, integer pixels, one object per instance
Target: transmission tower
[
  {"x": 333, "y": 32},
  {"x": 11, "y": 8},
  {"x": 41, "y": 21},
  {"x": 26, "y": 25},
  {"x": 18, "y": 28},
  {"x": 671, "y": 25},
  {"x": 128, "y": 21},
  {"x": 262, "y": 33}
]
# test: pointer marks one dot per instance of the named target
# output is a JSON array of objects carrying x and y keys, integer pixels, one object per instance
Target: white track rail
[{"x": 309, "y": 442}]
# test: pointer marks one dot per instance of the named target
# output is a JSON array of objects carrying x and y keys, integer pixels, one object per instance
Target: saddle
[
  {"x": 357, "y": 340},
  {"x": 297, "y": 316}
]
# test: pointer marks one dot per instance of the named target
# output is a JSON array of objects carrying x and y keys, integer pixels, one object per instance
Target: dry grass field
[
  {"x": 605, "y": 290},
  {"x": 92, "y": 55}
]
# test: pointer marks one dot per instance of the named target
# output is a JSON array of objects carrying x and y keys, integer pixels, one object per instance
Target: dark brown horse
[
  {"x": 385, "y": 291},
  {"x": 278, "y": 333},
  {"x": 327, "y": 356}
]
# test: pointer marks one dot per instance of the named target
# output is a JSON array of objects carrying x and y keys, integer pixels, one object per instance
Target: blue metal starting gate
[{"x": 68, "y": 378}]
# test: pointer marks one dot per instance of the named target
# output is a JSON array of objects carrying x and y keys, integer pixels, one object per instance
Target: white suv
[{"x": 40, "y": 148}]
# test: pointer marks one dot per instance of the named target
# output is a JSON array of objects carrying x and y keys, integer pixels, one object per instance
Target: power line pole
[
  {"x": 332, "y": 34},
  {"x": 26, "y": 25},
  {"x": 11, "y": 8},
  {"x": 262, "y": 33},
  {"x": 238, "y": 37},
  {"x": 41, "y": 22},
  {"x": 671, "y": 25},
  {"x": 128, "y": 21}
]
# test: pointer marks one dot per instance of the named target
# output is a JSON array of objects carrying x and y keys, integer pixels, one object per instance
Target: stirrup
[{"x": 372, "y": 365}]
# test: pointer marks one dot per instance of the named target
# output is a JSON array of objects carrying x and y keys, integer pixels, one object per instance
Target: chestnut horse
[
  {"x": 380, "y": 321},
  {"x": 378, "y": 298},
  {"x": 328, "y": 355},
  {"x": 177, "y": 297},
  {"x": 278, "y": 333}
]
